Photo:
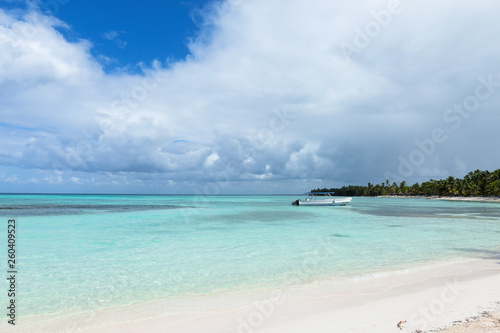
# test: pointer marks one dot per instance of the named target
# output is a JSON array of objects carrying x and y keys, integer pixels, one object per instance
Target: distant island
[{"x": 475, "y": 184}]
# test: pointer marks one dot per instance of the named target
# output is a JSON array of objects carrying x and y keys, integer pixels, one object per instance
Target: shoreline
[
  {"x": 465, "y": 199},
  {"x": 428, "y": 300},
  {"x": 470, "y": 199}
]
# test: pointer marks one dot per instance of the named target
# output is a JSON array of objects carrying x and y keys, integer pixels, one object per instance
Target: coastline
[
  {"x": 466, "y": 199},
  {"x": 470, "y": 199},
  {"x": 429, "y": 299},
  {"x": 428, "y": 292}
]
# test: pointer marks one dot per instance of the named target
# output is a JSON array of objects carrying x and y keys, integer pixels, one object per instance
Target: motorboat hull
[{"x": 322, "y": 202}]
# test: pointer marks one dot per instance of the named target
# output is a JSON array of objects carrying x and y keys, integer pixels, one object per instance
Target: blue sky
[
  {"x": 245, "y": 96},
  {"x": 130, "y": 32},
  {"x": 126, "y": 33}
]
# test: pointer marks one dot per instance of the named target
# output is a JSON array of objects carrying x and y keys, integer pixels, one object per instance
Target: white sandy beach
[
  {"x": 470, "y": 199},
  {"x": 427, "y": 299}
]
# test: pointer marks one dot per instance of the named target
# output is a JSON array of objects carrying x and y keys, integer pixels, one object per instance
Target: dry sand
[{"x": 471, "y": 199}]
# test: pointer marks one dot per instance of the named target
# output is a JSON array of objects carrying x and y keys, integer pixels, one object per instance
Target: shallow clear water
[{"x": 91, "y": 252}]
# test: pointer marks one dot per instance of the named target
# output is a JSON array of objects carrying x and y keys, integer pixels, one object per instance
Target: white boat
[{"x": 322, "y": 199}]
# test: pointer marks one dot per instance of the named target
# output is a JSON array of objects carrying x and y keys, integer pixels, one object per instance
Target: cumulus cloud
[{"x": 291, "y": 94}]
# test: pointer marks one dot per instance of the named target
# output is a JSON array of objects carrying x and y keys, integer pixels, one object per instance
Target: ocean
[{"x": 77, "y": 254}]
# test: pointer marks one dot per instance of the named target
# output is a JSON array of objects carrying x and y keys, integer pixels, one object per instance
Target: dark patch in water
[
  {"x": 485, "y": 254},
  {"x": 340, "y": 235},
  {"x": 265, "y": 216},
  {"x": 52, "y": 210},
  {"x": 452, "y": 212},
  {"x": 473, "y": 250},
  {"x": 395, "y": 226}
]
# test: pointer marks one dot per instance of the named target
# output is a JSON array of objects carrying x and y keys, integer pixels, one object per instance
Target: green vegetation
[{"x": 475, "y": 184}]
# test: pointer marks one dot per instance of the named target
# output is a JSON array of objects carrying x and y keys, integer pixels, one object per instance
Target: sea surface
[{"x": 81, "y": 253}]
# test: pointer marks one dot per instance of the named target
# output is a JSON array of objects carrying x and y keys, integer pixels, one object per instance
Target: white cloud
[
  {"x": 113, "y": 35},
  {"x": 11, "y": 179},
  {"x": 53, "y": 179},
  {"x": 110, "y": 35},
  {"x": 267, "y": 94},
  {"x": 75, "y": 180}
]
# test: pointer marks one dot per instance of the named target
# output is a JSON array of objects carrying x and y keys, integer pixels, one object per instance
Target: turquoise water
[{"x": 79, "y": 253}]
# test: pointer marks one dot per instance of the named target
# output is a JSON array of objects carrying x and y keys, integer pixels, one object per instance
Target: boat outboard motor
[{"x": 295, "y": 203}]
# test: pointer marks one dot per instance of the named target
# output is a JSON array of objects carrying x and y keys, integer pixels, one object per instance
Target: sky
[{"x": 245, "y": 96}]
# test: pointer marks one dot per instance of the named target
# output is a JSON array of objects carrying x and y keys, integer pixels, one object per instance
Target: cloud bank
[{"x": 275, "y": 97}]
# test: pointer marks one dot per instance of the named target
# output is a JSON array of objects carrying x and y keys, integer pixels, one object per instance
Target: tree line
[{"x": 475, "y": 184}]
